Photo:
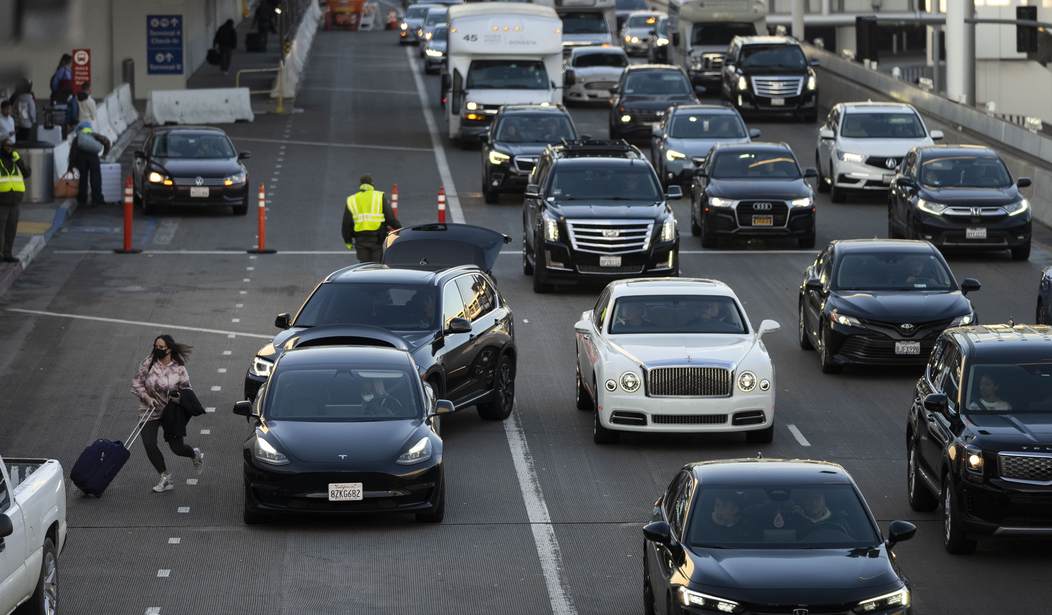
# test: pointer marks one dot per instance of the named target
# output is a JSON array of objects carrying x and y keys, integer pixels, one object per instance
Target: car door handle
[{"x": 586, "y": 337}]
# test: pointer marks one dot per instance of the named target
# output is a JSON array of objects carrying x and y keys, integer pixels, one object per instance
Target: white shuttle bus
[{"x": 500, "y": 53}]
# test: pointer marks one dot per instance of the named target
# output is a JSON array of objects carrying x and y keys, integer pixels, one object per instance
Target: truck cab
[
  {"x": 499, "y": 54},
  {"x": 702, "y": 30}
]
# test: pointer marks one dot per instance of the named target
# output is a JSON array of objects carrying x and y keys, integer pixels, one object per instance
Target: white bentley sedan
[{"x": 674, "y": 355}]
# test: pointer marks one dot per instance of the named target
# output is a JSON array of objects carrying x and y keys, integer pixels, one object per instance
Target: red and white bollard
[
  {"x": 261, "y": 232},
  {"x": 394, "y": 200},
  {"x": 129, "y": 213},
  {"x": 441, "y": 204}
]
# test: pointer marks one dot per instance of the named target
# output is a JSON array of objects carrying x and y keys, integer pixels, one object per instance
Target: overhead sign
[
  {"x": 164, "y": 44},
  {"x": 81, "y": 68}
]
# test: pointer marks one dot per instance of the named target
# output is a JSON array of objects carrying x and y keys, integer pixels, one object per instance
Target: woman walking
[{"x": 159, "y": 379}]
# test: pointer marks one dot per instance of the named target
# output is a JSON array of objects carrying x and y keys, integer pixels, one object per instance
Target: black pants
[
  {"x": 149, "y": 442},
  {"x": 90, "y": 168},
  {"x": 368, "y": 247},
  {"x": 8, "y": 228},
  {"x": 225, "y": 54}
]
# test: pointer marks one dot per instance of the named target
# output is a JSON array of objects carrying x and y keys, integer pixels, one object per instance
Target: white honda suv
[
  {"x": 862, "y": 143},
  {"x": 674, "y": 355}
]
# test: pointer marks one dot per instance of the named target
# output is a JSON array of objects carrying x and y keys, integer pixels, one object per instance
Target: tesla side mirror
[
  {"x": 1023, "y": 182},
  {"x": 754, "y": 133},
  {"x": 969, "y": 285},
  {"x": 826, "y": 134},
  {"x": 459, "y": 325},
  {"x": 243, "y": 408},
  {"x": 936, "y": 402},
  {"x": 900, "y": 531},
  {"x": 810, "y": 173},
  {"x": 283, "y": 320},
  {"x": 673, "y": 192},
  {"x": 658, "y": 531},
  {"x": 814, "y": 284},
  {"x": 531, "y": 192},
  {"x": 6, "y": 527},
  {"x": 569, "y": 78},
  {"x": 937, "y": 135},
  {"x": 444, "y": 406},
  {"x": 244, "y": 155},
  {"x": 140, "y": 155},
  {"x": 768, "y": 326}
]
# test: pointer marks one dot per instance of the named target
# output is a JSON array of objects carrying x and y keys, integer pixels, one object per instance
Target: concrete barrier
[
  {"x": 1026, "y": 153},
  {"x": 113, "y": 109},
  {"x": 127, "y": 105},
  {"x": 205, "y": 106},
  {"x": 61, "y": 153},
  {"x": 102, "y": 124},
  {"x": 296, "y": 60}
]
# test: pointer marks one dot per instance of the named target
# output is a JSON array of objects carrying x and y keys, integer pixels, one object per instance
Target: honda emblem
[{"x": 977, "y": 211}]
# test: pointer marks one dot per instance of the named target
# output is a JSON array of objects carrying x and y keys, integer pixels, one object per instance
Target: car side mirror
[
  {"x": 443, "y": 406},
  {"x": 659, "y": 532},
  {"x": 586, "y": 315},
  {"x": 283, "y": 320},
  {"x": 810, "y": 173},
  {"x": 6, "y": 527},
  {"x": 1023, "y": 182},
  {"x": 531, "y": 192},
  {"x": 936, "y": 402},
  {"x": 701, "y": 173},
  {"x": 569, "y": 78},
  {"x": 244, "y": 155},
  {"x": 754, "y": 133},
  {"x": 826, "y": 134},
  {"x": 140, "y": 155},
  {"x": 484, "y": 138},
  {"x": 900, "y": 531},
  {"x": 459, "y": 325},
  {"x": 937, "y": 135},
  {"x": 673, "y": 192},
  {"x": 814, "y": 284},
  {"x": 969, "y": 285},
  {"x": 243, "y": 408},
  {"x": 768, "y": 326}
]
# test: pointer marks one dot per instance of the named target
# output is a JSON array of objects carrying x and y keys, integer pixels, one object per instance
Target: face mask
[{"x": 159, "y": 354}]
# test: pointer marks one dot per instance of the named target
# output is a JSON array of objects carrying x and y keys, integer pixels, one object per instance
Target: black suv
[
  {"x": 595, "y": 209},
  {"x": 456, "y": 324},
  {"x": 518, "y": 135},
  {"x": 978, "y": 436},
  {"x": 770, "y": 74},
  {"x": 642, "y": 96}
]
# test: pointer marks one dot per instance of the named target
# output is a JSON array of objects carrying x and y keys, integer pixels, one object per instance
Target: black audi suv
[{"x": 643, "y": 95}]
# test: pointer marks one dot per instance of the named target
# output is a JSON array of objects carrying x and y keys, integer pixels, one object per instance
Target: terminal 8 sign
[{"x": 164, "y": 44}]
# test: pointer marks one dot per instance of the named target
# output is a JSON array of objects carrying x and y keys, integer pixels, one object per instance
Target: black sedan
[
  {"x": 642, "y": 97},
  {"x": 960, "y": 196},
  {"x": 879, "y": 302},
  {"x": 770, "y": 536},
  {"x": 515, "y": 140},
  {"x": 188, "y": 166},
  {"x": 683, "y": 140},
  {"x": 344, "y": 430},
  {"x": 752, "y": 190}
]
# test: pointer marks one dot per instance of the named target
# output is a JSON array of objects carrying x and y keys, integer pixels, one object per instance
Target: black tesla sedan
[
  {"x": 642, "y": 97},
  {"x": 752, "y": 190},
  {"x": 770, "y": 536},
  {"x": 879, "y": 302},
  {"x": 960, "y": 196},
  {"x": 190, "y": 166},
  {"x": 344, "y": 430}
]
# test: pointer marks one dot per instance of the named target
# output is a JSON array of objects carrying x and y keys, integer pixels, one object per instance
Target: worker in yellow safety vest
[
  {"x": 13, "y": 173},
  {"x": 366, "y": 219}
]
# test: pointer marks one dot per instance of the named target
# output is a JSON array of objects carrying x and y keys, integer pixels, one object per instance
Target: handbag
[
  {"x": 66, "y": 186},
  {"x": 212, "y": 57}
]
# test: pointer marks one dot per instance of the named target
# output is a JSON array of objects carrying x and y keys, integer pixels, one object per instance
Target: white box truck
[
  {"x": 702, "y": 30},
  {"x": 500, "y": 53},
  {"x": 586, "y": 23}
]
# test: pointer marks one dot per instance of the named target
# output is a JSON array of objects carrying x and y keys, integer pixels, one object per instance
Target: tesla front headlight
[
  {"x": 931, "y": 208},
  {"x": 804, "y": 202},
  {"x": 672, "y": 154},
  {"x": 849, "y": 156},
  {"x": 747, "y": 381},
  {"x": 1014, "y": 209},
  {"x": 433, "y": 53},
  {"x": 629, "y": 382},
  {"x": 895, "y": 598},
  {"x": 715, "y": 201},
  {"x": 418, "y": 453},
  {"x": 236, "y": 179},
  {"x": 962, "y": 321},
  {"x": 668, "y": 229},
  {"x": 551, "y": 229},
  {"x": 266, "y": 452},
  {"x": 497, "y": 158},
  {"x": 844, "y": 319},
  {"x": 742, "y": 83},
  {"x": 689, "y": 597},
  {"x": 471, "y": 105}
]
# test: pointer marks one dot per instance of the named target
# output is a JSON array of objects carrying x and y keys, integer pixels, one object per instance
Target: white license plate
[
  {"x": 910, "y": 348},
  {"x": 777, "y": 102},
  {"x": 887, "y": 177},
  {"x": 198, "y": 192},
  {"x": 345, "y": 492},
  {"x": 609, "y": 261},
  {"x": 975, "y": 233},
  {"x": 763, "y": 220}
]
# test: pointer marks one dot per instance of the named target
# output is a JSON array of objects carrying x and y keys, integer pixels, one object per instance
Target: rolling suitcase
[{"x": 100, "y": 463}]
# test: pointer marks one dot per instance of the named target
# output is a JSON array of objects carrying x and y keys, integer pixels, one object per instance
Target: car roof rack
[{"x": 599, "y": 148}]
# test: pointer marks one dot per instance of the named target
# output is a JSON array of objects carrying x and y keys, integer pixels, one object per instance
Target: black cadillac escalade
[{"x": 770, "y": 75}]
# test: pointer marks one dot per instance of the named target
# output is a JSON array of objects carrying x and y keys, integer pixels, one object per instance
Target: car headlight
[
  {"x": 672, "y": 154},
  {"x": 433, "y": 53},
  {"x": 418, "y": 453},
  {"x": 261, "y": 367},
  {"x": 812, "y": 83},
  {"x": 661, "y": 42},
  {"x": 715, "y": 201},
  {"x": 403, "y": 26},
  {"x": 742, "y": 83},
  {"x": 629, "y": 382},
  {"x": 626, "y": 118},
  {"x": 419, "y": 31},
  {"x": 689, "y": 597},
  {"x": 628, "y": 39},
  {"x": 804, "y": 202},
  {"x": 155, "y": 178},
  {"x": 849, "y": 156},
  {"x": 931, "y": 208},
  {"x": 471, "y": 105},
  {"x": 266, "y": 452},
  {"x": 747, "y": 381},
  {"x": 236, "y": 179},
  {"x": 962, "y": 321},
  {"x": 696, "y": 64},
  {"x": 428, "y": 36},
  {"x": 635, "y": 39},
  {"x": 1014, "y": 209},
  {"x": 844, "y": 319},
  {"x": 551, "y": 229},
  {"x": 895, "y": 598},
  {"x": 668, "y": 229},
  {"x": 496, "y": 157},
  {"x": 973, "y": 460}
]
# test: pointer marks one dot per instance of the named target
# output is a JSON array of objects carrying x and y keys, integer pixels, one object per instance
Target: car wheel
[
  {"x": 136, "y": 199},
  {"x": 242, "y": 209},
  {"x": 540, "y": 272},
  {"x": 708, "y": 238},
  {"x": 600, "y": 434},
  {"x": 502, "y": 400},
  {"x": 527, "y": 268},
  {"x": 1021, "y": 253},
  {"x": 695, "y": 229},
  {"x": 892, "y": 233},
  {"x": 147, "y": 208},
  {"x": 801, "y": 335},
  {"x": 760, "y": 436},
  {"x": 954, "y": 537},
  {"x": 821, "y": 184},
  {"x": 584, "y": 399},
  {"x": 1039, "y": 315},
  {"x": 45, "y": 597},
  {"x": 838, "y": 195},
  {"x": 491, "y": 196},
  {"x": 825, "y": 358},
  {"x": 807, "y": 242},
  {"x": 810, "y": 117},
  {"x": 438, "y": 510},
  {"x": 920, "y": 498},
  {"x": 648, "y": 589},
  {"x": 252, "y": 514}
]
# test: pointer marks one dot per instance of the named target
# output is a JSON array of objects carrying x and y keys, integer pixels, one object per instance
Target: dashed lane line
[
  {"x": 392, "y": 148},
  {"x": 140, "y": 323},
  {"x": 360, "y": 90},
  {"x": 800, "y": 439}
]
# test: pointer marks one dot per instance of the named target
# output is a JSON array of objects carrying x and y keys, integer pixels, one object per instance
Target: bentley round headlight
[
  {"x": 629, "y": 382},
  {"x": 611, "y": 385},
  {"x": 747, "y": 381}
]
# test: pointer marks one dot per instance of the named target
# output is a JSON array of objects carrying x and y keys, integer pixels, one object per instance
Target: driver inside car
[
  {"x": 377, "y": 401},
  {"x": 632, "y": 317}
]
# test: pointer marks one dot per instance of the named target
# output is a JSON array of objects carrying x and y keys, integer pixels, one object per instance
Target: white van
[{"x": 702, "y": 30}]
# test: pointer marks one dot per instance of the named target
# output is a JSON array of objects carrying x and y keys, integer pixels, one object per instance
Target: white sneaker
[
  {"x": 166, "y": 483},
  {"x": 199, "y": 461}
]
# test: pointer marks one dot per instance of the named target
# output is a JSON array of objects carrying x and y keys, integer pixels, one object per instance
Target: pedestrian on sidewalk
[
  {"x": 7, "y": 121},
  {"x": 87, "y": 109},
  {"x": 225, "y": 41},
  {"x": 25, "y": 108},
  {"x": 160, "y": 377},
  {"x": 13, "y": 173},
  {"x": 366, "y": 219},
  {"x": 62, "y": 79},
  {"x": 85, "y": 156}
]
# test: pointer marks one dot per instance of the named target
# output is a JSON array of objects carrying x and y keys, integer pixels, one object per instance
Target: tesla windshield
[
  {"x": 676, "y": 314},
  {"x": 721, "y": 126},
  {"x": 392, "y": 306},
  {"x": 876, "y": 271},
  {"x": 341, "y": 394}
]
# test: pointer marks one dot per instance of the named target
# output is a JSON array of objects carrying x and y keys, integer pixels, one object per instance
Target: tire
[
  {"x": 822, "y": 186},
  {"x": 708, "y": 239},
  {"x": 810, "y": 118},
  {"x": 920, "y": 498},
  {"x": 838, "y": 195},
  {"x": 147, "y": 208},
  {"x": 695, "y": 229},
  {"x": 252, "y": 515},
  {"x": 892, "y": 233},
  {"x": 242, "y": 209},
  {"x": 583, "y": 397},
  {"x": 600, "y": 434},
  {"x": 501, "y": 402},
  {"x": 1021, "y": 253},
  {"x": 527, "y": 268},
  {"x": 760, "y": 436},
  {"x": 540, "y": 274},
  {"x": 807, "y": 242},
  {"x": 45, "y": 597},
  {"x": 1039, "y": 312},
  {"x": 438, "y": 511},
  {"x": 136, "y": 200},
  {"x": 825, "y": 360},
  {"x": 954, "y": 538},
  {"x": 801, "y": 335},
  {"x": 490, "y": 196}
]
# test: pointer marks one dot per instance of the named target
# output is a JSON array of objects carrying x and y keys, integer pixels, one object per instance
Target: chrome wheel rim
[
  {"x": 50, "y": 584},
  {"x": 506, "y": 385}
]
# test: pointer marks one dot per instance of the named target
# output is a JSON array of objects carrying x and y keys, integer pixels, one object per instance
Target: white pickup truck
[{"x": 32, "y": 531}]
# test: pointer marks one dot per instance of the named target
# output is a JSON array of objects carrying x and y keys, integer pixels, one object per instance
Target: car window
[
  {"x": 774, "y": 56},
  {"x": 826, "y": 268},
  {"x": 416, "y": 12},
  {"x": 642, "y": 21},
  {"x": 964, "y": 171},
  {"x": 882, "y": 126},
  {"x": 192, "y": 145},
  {"x": 719, "y": 33},
  {"x": 401, "y": 307},
  {"x": 630, "y": 5},
  {"x": 599, "y": 181},
  {"x": 592, "y": 60},
  {"x": 5, "y": 498},
  {"x": 534, "y": 128},
  {"x": 684, "y": 314},
  {"x": 951, "y": 374},
  {"x": 899, "y": 271},
  {"x": 478, "y": 296},
  {"x": 320, "y": 394},
  {"x": 656, "y": 83},
  {"x": 712, "y": 126},
  {"x": 934, "y": 361},
  {"x": 507, "y": 74},
  {"x": 739, "y": 164},
  {"x": 679, "y": 505},
  {"x": 584, "y": 23},
  {"x": 1009, "y": 387},
  {"x": 599, "y": 311},
  {"x": 452, "y": 304}
]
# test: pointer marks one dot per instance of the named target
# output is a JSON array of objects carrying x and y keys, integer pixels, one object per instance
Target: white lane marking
[
  {"x": 182, "y": 510},
  {"x": 239, "y": 305},
  {"x": 356, "y": 90},
  {"x": 798, "y": 435},
  {"x": 683, "y": 252},
  {"x": 210, "y": 409},
  {"x": 235, "y": 320},
  {"x": 190, "y": 481},
  {"x": 221, "y": 370},
  {"x": 209, "y": 252},
  {"x": 152, "y": 610},
  {"x": 174, "y": 540},
  {"x": 206, "y": 432},
  {"x": 456, "y": 214},
  {"x": 391, "y": 148},
  {"x": 227, "y": 353},
  {"x": 140, "y": 323},
  {"x": 242, "y": 292},
  {"x": 164, "y": 573},
  {"x": 216, "y": 388},
  {"x": 246, "y": 280}
]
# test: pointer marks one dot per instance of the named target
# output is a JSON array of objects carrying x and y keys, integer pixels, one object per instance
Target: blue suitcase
[{"x": 100, "y": 463}]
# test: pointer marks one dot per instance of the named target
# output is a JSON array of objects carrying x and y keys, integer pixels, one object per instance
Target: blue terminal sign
[{"x": 164, "y": 44}]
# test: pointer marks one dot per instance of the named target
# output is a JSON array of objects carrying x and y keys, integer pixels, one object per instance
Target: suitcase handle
[{"x": 134, "y": 435}]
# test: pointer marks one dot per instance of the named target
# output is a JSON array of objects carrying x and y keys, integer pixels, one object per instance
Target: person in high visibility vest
[
  {"x": 366, "y": 219},
  {"x": 13, "y": 173}
]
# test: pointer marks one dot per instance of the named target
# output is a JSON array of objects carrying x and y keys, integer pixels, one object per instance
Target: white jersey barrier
[
  {"x": 205, "y": 106},
  {"x": 296, "y": 61}
]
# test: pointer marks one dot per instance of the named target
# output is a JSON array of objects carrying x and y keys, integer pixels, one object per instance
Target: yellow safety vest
[
  {"x": 367, "y": 207},
  {"x": 11, "y": 179}
]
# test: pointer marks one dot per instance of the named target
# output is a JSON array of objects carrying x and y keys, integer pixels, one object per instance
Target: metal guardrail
[{"x": 237, "y": 77}]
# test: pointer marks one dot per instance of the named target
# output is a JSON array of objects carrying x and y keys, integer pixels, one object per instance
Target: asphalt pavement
[{"x": 539, "y": 519}]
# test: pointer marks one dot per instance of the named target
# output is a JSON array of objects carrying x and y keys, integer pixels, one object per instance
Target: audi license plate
[
  {"x": 609, "y": 261},
  {"x": 777, "y": 102},
  {"x": 198, "y": 192},
  {"x": 908, "y": 348},
  {"x": 345, "y": 492},
  {"x": 975, "y": 233},
  {"x": 763, "y": 220}
]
